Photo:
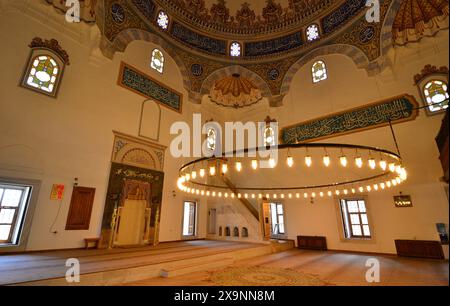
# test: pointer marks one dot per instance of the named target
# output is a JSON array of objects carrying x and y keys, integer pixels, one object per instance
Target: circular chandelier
[{"x": 341, "y": 168}]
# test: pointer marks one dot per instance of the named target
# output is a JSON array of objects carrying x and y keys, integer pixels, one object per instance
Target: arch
[
  {"x": 220, "y": 231},
  {"x": 386, "y": 42},
  {"x": 244, "y": 232},
  {"x": 236, "y": 231},
  {"x": 355, "y": 54},
  {"x": 124, "y": 38},
  {"x": 221, "y": 73},
  {"x": 227, "y": 231}
]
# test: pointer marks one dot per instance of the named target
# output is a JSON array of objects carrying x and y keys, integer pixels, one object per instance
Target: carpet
[{"x": 263, "y": 276}]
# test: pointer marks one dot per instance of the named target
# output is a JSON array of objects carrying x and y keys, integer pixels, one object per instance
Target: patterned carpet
[{"x": 263, "y": 276}]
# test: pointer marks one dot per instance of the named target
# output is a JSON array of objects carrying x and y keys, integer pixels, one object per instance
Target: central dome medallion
[{"x": 235, "y": 91}]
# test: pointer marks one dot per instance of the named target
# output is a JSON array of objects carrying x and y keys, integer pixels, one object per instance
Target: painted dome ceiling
[{"x": 264, "y": 41}]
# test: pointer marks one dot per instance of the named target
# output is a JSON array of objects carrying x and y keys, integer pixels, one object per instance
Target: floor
[
  {"x": 49, "y": 265},
  {"x": 332, "y": 268}
]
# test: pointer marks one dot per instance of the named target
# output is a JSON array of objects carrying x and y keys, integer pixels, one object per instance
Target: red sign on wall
[{"x": 57, "y": 193}]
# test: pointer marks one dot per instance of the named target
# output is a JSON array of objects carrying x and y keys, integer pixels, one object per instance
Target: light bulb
[
  {"x": 321, "y": 194},
  {"x": 224, "y": 168},
  {"x": 338, "y": 192},
  {"x": 194, "y": 175},
  {"x": 404, "y": 174},
  {"x": 272, "y": 163},
  {"x": 226, "y": 195},
  {"x": 188, "y": 190},
  {"x": 305, "y": 195},
  {"x": 282, "y": 195},
  {"x": 253, "y": 196},
  {"x": 239, "y": 195},
  {"x": 308, "y": 161},
  {"x": 330, "y": 193},
  {"x": 361, "y": 189},
  {"x": 193, "y": 191},
  {"x": 394, "y": 182},
  {"x": 372, "y": 163},
  {"x": 297, "y": 195},
  {"x": 202, "y": 193},
  {"x": 369, "y": 188},
  {"x": 383, "y": 165},
  {"x": 290, "y": 196},
  {"x": 254, "y": 164},
  {"x": 359, "y": 162},
  {"x": 399, "y": 180},
  {"x": 388, "y": 184},
  {"x": 353, "y": 190},
  {"x": 375, "y": 187},
  {"x": 212, "y": 171},
  {"x": 208, "y": 193},
  {"x": 213, "y": 194},
  {"x": 219, "y": 194},
  {"x": 233, "y": 195},
  {"x": 344, "y": 161},
  {"x": 398, "y": 169},
  {"x": 202, "y": 172},
  {"x": 238, "y": 166},
  {"x": 197, "y": 192},
  {"x": 313, "y": 195},
  {"x": 392, "y": 167},
  {"x": 267, "y": 196},
  {"x": 260, "y": 196},
  {"x": 188, "y": 177},
  {"x": 246, "y": 196},
  {"x": 345, "y": 191},
  {"x": 383, "y": 185},
  {"x": 326, "y": 160},
  {"x": 290, "y": 161},
  {"x": 275, "y": 196}
]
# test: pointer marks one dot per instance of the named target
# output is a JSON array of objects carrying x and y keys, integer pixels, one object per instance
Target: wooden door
[
  {"x": 267, "y": 223},
  {"x": 80, "y": 210}
]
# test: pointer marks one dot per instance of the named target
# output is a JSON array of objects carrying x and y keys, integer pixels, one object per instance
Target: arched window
[
  {"x": 269, "y": 136},
  {"x": 436, "y": 95},
  {"x": 43, "y": 74},
  {"x": 45, "y": 66},
  {"x": 235, "y": 49},
  {"x": 312, "y": 32},
  {"x": 319, "y": 72},
  {"x": 211, "y": 139},
  {"x": 163, "y": 20},
  {"x": 157, "y": 61}
]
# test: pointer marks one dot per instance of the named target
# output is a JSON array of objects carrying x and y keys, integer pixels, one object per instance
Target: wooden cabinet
[
  {"x": 312, "y": 243},
  {"x": 419, "y": 248},
  {"x": 80, "y": 210}
]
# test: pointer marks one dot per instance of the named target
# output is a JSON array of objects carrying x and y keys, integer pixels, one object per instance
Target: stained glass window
[
  {"x": 211, "y": 139},
  {"x": 163, "y": 20},
  {"x": 319, "y": 72},
  {"x": 436, "y": 95},
  {"x": 157, "y": 61},
  {"x": 235, "y": 49},
  {"x": 312, "y": 32},
  {"x": 43, "y": 73}
]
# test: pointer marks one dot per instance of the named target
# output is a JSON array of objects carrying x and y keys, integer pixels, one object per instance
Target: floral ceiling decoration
[
  {"x": 271, "y": 34},
  {"x": 235, "y": 91},
  {"x": 419, "y": 18}
]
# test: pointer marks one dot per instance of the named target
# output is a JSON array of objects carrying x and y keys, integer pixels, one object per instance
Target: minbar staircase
[{"x": 244, "y": 201}]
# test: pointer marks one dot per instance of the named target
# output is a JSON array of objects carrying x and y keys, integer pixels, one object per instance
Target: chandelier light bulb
[
  {"x": 187, "y": 177},
  {"x": 219, "y": 194},
  {"x": 193, "y": 191},
  {"x": 398, "y": 169},
  {"x": 233, "y": 195},
  {"x": 194, "y": 175},
  {"x": 188, "y": 190},
  {"x": 404, "y": 174},
  {"x": 372, "y": 163},
  {"x": 275, "y": 196},
  {"x": 305, "y": 195},
  {"x": 213, "y": 194},
  {"x": 267, "y": 196},
  {"x": 375, "y": 187},
  {"x": 253, "y": 196},
  {"x": 321, "y": 194},
  {"x": 359, "y": 162},
  {"x": 313, "y": 195},
  {"x": 238, "y": 166},
  {"x": 394, "y": 183},
  {"x": 308, "y": 161},
  {"x": 361, "y": 189},
  {"x": 290, "y": 161},
  {"x": 202, "y": 193},
  {"x": 326, "y": 160},
  {"x": 389, "y": 184},
  {"x": 239, "y": 195},
  {"x": 383, "y": 186},
  {"x": 344, "y": 161},
  {"x": 226, "y": 195},
  {"x": 224, "y": 168},
  {"x": 208, "y": 193},
  {"x": 212, "y": 171},
  {"x": 297, "y": 195},
  {"x": 260, "y": 196},
  {"x": 330, "y": 193},
  {"x": 398, "y": 180},
  {"x": 338, "y": 192},
  {"x": 202, "y": 172},
  {"x": 392, "y": 167},
  {"x": 383, "y": 165},
  {"x": 272, "y": 163},
  {"x": 246, "y": 196},
  {"x": 345, "y": 191},
  {"x": 290, "y": 196},
  {"x": 282, "y": 195},
  {"x": 254, "y": 164},
  {"x": 353, "y": 190},
  {"x": 369, "y": 188}
]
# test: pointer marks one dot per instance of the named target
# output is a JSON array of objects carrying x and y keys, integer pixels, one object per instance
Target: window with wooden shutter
[{"x": 80, "y": 210}]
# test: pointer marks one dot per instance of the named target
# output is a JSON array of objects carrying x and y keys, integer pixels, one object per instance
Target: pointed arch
[
  {"x": 124, "y": 38},
  {"x": 355, "y": 54}
]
